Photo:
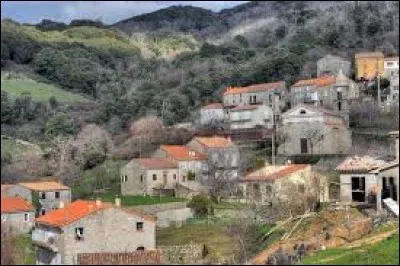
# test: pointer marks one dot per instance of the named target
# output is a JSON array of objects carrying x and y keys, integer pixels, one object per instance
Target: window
[
  {"x": 174, "y": 176},
  {"x": 141, "y": 178},
  {"x": 301, "y": 188},
  {"x": 43, "y": 195},
  {"x": 302, "y": 111},
  {"x": 358, "y": 189},
  {"x": 124, "y": 178},
  {"x": 43, "y": 211},
  {"x": 139, "y": 226},
  {"x": 303, "y": 146},
  {"x": 339, "y": 105},
  {"x": 154, "y": 177},
  {"x": 57, "y": 194},
  {"x": 79, "y": 233},
  {"x": 26, "y": 217},
  {"x": 140, "y": 248}
]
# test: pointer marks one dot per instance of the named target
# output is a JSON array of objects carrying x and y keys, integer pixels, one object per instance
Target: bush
[
  {"x": 61, "y": 124},
  {"x": 201, "y": 205}
]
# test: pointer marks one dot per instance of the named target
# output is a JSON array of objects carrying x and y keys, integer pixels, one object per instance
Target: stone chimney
[
  {"x": 117, "y": 201},
  {"x": 98, "y": 202},
  {"x": 61, "y": 204}
]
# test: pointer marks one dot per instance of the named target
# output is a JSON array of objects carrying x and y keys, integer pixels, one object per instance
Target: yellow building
[{"x": 369, "y": 64}]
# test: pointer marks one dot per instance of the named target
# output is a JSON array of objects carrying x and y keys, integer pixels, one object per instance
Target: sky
[{"x": 107, "y": 11}]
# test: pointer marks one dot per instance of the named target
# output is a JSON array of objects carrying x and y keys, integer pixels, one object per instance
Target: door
[{"x": 303, "y": 146}]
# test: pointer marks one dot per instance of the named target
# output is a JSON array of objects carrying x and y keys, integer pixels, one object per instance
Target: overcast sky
[{"x": 108, "y": 11}]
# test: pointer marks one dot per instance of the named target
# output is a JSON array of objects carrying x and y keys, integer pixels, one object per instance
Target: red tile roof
[
  {"x": 215, "y": 142},
  {"x": 156, "y": 163},
  {"x": 213, "y": 106},
  {"x": 358, "y": 164},
  {"x": 244, "y": 108},
  {"x": 145, "y": 257},
  {"x": 44, "y": 186},
  {"x": 318, "y": 82},
  {"x": 15, "y": 204},
  {"x": 78, "y": 210},
  {"x": 274, "y": 172},
  {"x": 369, "y": 54},
  {"x": 182, "y": 153},
  {"x": 255, "y": 88}
]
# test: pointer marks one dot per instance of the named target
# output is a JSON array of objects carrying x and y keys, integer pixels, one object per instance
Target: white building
[
  {"x": 251, "y": 116},
  {"x": 391, "y": 67},
  {"x": 212, "y": 113}
]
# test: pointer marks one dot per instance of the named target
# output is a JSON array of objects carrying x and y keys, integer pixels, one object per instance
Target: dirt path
[{"x": 372, "y": 240}]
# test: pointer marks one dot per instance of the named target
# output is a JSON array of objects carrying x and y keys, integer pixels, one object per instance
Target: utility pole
[
  {"x": 273, "y": 131},
  {"x": 163, "y": 108},
  {"x": 379, "y": 91}
]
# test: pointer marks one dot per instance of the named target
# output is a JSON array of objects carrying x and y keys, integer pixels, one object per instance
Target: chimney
[
  {"x": 117, "y": 201},
  {"x": 61, "y": 205},
  {"x": 98, "y": 202}
]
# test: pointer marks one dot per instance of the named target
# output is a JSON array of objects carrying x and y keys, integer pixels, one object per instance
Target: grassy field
[
  {"x": 38, "y": 90},
  {"x": 136, "y": 200},
  {"x": 385, "y": 252},
  {"x": 219, "y": 243},
  {"x": 14, "y": 151}
]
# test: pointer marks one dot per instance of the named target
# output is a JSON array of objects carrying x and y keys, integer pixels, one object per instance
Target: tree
[
  {"x": 201, "y": 205},
  {"x": 314, "y": 136},
  {"x": 60, "y": 124},
  {"x": 149, "y": 127}
]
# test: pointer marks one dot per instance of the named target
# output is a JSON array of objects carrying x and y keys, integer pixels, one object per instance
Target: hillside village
[{"x": 276, "y": 171}]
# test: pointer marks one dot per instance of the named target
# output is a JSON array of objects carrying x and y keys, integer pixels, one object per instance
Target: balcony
[{"x": 45, "y": 239}]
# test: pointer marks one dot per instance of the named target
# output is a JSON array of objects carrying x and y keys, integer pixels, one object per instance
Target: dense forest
[{"x": 171, "y": 62}]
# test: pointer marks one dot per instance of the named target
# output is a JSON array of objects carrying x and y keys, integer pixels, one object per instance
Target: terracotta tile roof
[
  {"x": 81, "y": 209},
  {"x": 369, "y": 54},
  {"x": 155, "y": 163},
  {"x": 244, "y": 108},
  {"x": 183, "y": 153},
  {"x": 215, "y": 142},
  {"x": 44, "y": 186},
  {"x": 213, "y": 106},
  {"x": 15, "y": 204},
  {"x": 255, "y": 88},
  {"x": 318, "y": 82},
  {"x": 363, "y": 164},
  {"x": 145, "y": 257},
  {"x": 274, "y": 172}
]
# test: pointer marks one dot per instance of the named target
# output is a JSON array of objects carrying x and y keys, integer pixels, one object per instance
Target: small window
[
  {"x": 43, "y": 211},
  {"x": 154, "y": 177},
  {"x": 79, "y": 233},
  {"x": 174, "y": 176},
  {"x": 43, "y": 195},
  {"x": 141, "y": 178},
  {"x": 302, "y": 111},
  {"x": 139, "y": 226},
  {"x": 301, "y": 188},
  {"x": 141, "y": 248},
  {"x": 124, "y": 178},
  {"x": 57, "y": 194},
  {"x": 26, "y": 217}
]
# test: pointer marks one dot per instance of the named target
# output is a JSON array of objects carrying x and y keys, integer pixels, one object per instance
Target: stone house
[
  {"x": 51, "y": 194},
  {"x": 191, "y": 164},
  {"x": 90, "y": 227},
  {"x": 394, "y": 90},
  {"x": 391, "y": 67},
  {"x": 368, "y": 180},
  {"x": 213, "y": 114},
  {"x": 17, "y": 215},
  {"x": 223, "y": 156},
  {"x": 149, "y": 176},
  {"x": 307, "y": 130},
  {"x": 368, "y": 65},
  {"x": 250, "y": 116},
  {"x": 332, "y": 92},
  {"x": 274, "y": 183},
  {"x": 269, "y": 94},
  {"x": 331, "y": 64}
]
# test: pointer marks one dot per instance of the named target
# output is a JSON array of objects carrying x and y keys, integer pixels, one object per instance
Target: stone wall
[{"x": 183, "y": 254}]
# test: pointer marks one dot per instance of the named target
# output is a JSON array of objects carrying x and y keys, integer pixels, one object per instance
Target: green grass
[
  {"x": 385, "y": 252},
  {"x": 15, "y": 151},
  {"x": 223, "y": 205},
  {"x": 216, "y": 240},
  {"x": 27, "y": 252},
  {"x": 136, "y": 200},
  {"x": 38, "y": 90}
]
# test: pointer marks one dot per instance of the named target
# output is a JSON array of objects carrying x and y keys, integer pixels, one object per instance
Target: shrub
[
  {"x": 61, "y": 124},
  {"x": 201, "y": 205}
]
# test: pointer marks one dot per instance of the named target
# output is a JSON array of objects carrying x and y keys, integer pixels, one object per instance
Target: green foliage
[
  {"x": 201, "y": 205},
  {"x": 92, "y": 158},
  {"x": 241, "y": 40},
  {"x": 280, "y": 32},
  {"x": 191, "y": 176},
  {"x": 60, "y": 124},
  {"x": 36, "y": 203},
  {"x": 46, "y": 25}
]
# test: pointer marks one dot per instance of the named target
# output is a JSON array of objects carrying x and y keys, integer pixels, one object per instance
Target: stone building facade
[
  {"x": 90, "y": 227},
  {"x": 307, "y": 130},
  {"x": 17, "y": 215},
  {"x": 50, "y": 193},
  {"x": 368, "y": 65},
  {"x": 391, "y": 67},
  {"x": 251, "y": 116},
  {"x": 214, "y": 113},
  {"x": 331, "y": 64},
  {"x": 147, "y": 175}
]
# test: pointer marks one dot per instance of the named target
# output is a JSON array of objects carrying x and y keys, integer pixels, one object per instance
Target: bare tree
[{"x": 314, "y": 135}]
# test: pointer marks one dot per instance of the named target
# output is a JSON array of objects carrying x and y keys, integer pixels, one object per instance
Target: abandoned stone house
[
  {"x": 192, "y": 165},
  {"x": 307, "y": 130},
  {"x": 331, "y": 64},
  {"x": 90, "y": 227},
  {"x": 17, "y": 215},
  {"x": 391, "y": 67},
  {"x": 368, "y": 65},
  {"x": 150, "y": 176},
  {"x": 223, "y": 157},
  {"x": 213, "y": 114},
  {"x": 331, "y": 92},
  {"x": 275, "y": 183},
  {"x": 370, "y": 180},
  {"x": 50, "y": 193}
]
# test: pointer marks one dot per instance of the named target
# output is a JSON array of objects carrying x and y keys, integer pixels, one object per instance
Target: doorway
[{"x": 358, "y": 189}]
